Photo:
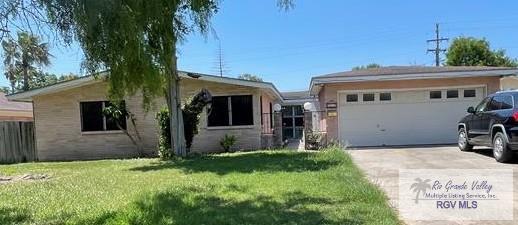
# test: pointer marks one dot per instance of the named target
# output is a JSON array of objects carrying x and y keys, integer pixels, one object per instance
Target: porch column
[{"x": 277, "y": 129}]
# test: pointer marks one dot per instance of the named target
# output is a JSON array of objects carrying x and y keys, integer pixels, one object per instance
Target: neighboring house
[
  {"x": 509, "y": 83},
  {"x": 14, "y": 111},
  {"x": 402, "y": 105},
  {"x": 70, "y": 125}
]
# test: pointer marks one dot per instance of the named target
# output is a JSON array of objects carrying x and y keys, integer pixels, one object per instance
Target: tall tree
[
  {"x": 251, "y": 77},
  {"x": 23, "y": 58},
  {"x": 137, "y": 41},
  {"x": 368, "y": 66},
  {"x": 469, "y": 51}
]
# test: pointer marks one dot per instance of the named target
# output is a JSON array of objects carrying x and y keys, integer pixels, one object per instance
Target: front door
[{"x": 292, "y": 122}]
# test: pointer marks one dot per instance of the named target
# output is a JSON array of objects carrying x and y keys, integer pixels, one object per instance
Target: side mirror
[{"x": 471, "y": 110}]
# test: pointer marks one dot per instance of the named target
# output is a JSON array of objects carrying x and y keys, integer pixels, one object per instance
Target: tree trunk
[
  {"x": 177, "y": 133},
  {"x": 25, "y": 79}
]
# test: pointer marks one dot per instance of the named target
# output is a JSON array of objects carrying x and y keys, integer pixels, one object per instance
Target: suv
[{"x": 493, "y": 123}]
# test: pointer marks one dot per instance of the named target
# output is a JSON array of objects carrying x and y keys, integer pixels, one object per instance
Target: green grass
[{"x": 266, "y": 187}]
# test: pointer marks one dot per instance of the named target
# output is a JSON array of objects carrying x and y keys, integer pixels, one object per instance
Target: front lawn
[{"x": 266, "y": 187}]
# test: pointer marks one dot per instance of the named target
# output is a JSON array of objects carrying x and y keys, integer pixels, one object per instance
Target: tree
[
  {"x": 5, "y": 90},
  {"x": 469, "y": 51},
  {"x": 23, "y": 58},
  {"x": 136, "y": 40},
  {"x": 251, "y": 77},
  {"x": 42, "y": 79},
  {"x": 368, "y": 66},
  {"x": 118, "y": 112}
]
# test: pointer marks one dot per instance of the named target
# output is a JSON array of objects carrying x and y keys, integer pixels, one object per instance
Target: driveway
[{"x": 381, "y": 166}]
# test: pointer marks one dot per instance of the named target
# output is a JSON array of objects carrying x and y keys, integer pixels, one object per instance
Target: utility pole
[{"x": 438, "y": 39}]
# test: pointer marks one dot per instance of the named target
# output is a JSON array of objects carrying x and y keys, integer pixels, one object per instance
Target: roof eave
[
  {"x": 316, "y": 82},
  {"x": 28, "y": 95}
]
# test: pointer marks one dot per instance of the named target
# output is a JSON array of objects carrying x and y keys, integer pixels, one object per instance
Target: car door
[
  {"x": 488, "y": 117},
  {"x": 475, "y": 127}
]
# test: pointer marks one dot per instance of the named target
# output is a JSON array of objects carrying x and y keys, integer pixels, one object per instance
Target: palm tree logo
[{"x": 420, "y": 186}]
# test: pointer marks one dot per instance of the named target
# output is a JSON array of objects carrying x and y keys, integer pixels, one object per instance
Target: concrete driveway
[{"x": 381, "y": 166}]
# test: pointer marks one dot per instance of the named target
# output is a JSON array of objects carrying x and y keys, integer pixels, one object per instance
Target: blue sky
[{"x": 325, "y": 36}]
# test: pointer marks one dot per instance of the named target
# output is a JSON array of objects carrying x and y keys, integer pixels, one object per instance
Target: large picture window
[
  {"x": 93, "y": 119},
  {"x": 231, "y": 111}
]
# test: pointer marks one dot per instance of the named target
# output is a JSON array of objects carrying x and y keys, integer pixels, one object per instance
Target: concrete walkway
[{"x": 382, "y": 168}]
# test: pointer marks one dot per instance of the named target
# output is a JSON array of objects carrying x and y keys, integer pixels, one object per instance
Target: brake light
[{"x": 515, "y": 116}]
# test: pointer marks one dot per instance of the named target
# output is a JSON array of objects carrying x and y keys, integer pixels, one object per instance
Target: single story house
[
  {"x": 69, "y": 123},
  {"x": 397, "y": 105},
  {"x": 14, "y": 111},
  {"x": 402, "y": 105}
]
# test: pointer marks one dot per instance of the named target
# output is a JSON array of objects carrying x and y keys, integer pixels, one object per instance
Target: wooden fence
[{"x": 17, "y": 143}]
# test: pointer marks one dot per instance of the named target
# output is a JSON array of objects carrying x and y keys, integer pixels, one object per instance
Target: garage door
[{"x": 404, "y": 117}]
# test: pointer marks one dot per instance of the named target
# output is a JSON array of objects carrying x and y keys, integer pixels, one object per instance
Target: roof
[
  {"x": 400, "y": 70},
  {"x": 13, "y": 106},
  {"x": 90, "y": 79},
  {"x": 293, "y": 95},
  {"x": 409, "y": 73}
]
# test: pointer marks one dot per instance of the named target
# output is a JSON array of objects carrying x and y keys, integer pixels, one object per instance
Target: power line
[{"x": 438, "y": 39}]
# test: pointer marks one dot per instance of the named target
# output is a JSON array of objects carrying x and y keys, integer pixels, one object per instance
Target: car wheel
[
  {"x": 500, "y": 150},
  {"x": 463, "y": 141}
]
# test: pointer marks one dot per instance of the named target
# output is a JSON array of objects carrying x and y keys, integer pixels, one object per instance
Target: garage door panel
[{"x": 402, "y": 122}]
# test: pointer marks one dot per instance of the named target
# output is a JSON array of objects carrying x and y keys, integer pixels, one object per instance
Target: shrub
[
  {"x": 227, "y": 142},
  {"x": 164, "y": 141}
]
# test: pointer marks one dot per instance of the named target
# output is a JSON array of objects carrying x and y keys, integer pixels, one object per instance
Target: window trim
[
  {"x": 105, "y": 130},
  {"x": 229, "y": 105}
]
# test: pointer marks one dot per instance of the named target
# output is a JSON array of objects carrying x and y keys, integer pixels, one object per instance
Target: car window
[
  {"x": 495, "y": 104},
  {"x": 483, "y": 105},
  {"x": 507, "y": 102}
]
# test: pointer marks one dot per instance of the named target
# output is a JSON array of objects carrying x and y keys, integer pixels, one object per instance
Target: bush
[
  {"x": 227, "y": 142},
  {"x": 164, "y": 141}
]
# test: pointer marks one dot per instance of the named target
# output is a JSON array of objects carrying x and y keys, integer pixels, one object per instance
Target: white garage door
[{"x": 404, "y": 117}]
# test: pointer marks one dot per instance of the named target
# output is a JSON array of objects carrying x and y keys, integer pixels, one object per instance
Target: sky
[{"x": 327, "y": 36}]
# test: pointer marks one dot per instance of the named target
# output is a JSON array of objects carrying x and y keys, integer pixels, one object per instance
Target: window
[
  {"x": 483, "y": 105},
  {"x": 352, "y": 98},
  {"x": 495, "y": 104},
  {"x": 368, "y": 97},
  {"x": 385, "y": 96},
  {"x": 501, "y": 102},
  {"x": 231, "y": 111},
  {"x": 93, "y": 119},
  {"x": 470, "y": 93},
  {"x": 452, "y": 94},
  {"x": 507, "y": 102},
  {"x": 435, "y": 94}
]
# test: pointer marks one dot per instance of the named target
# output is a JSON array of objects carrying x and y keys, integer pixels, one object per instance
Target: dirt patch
[{"x": 23, "y": 178}]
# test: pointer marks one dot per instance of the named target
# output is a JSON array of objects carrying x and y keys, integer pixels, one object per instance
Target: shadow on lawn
[
  {"x": 187, "y": 208},
  {"x": 246, "y": 163},
  {"x": 14, "y": 216}
]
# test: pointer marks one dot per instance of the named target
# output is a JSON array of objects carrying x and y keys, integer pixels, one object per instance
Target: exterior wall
[
  {"x": 509, "y": 83},
  {"x": 267, "y": 128},
  {"x": 207, "y": 139},
  {"x": 329, "y": 92},
  {"x": 58, "y": 124}
]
